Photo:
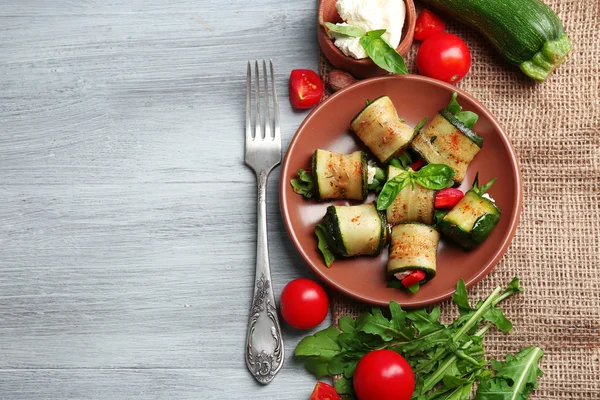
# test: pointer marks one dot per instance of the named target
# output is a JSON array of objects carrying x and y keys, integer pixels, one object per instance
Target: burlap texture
[{"x": 555, "y": 129}]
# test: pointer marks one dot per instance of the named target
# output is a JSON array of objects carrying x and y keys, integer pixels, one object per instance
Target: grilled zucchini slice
[
  {"x": 471, "y": 221},
  {"x": 381, "y": 130},
  {"x": 356, "y": 230},
  {"x": 413, "y": 204},
  {"x": 339, "y": 176},
  {"x": 413, "y": 247},
  {"x": 444, "y": 141}
]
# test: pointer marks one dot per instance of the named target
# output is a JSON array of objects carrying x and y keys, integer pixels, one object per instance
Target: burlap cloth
[{"x": 555, "y": 129}]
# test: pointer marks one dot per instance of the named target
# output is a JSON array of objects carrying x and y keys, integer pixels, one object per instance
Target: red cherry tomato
[
  {"x": 448, "y": 198},
  {"x": 427, "y": 25},
  {"x": 324, "y": 391},
  {"x": 413, "y": 278},
  {"x": 383, "y": 375},
  {"x": 303, "y": 304},
  {"x": 444, "y": 56},
  {"x": 306, "y": 88}
]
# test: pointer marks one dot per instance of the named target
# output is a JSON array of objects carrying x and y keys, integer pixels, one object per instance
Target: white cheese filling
[{"x": 369, "y": 15}]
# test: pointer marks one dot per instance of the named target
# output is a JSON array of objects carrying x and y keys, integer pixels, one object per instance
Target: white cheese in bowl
[{"x": 369, "y": 15}]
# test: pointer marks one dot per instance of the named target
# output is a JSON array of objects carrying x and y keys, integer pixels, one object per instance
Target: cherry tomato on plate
[
  {"x": 306, "y": 88},
  {"x": 324, "y": 391},
  {"x": 427, "y": 25},
  {"x": 383, "y": 375},
  {"x": 444, "y": 56},
  {"x": 303, "y": 304}
]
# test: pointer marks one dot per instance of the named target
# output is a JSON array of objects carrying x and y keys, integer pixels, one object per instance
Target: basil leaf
[
  {"x": 303, "y": 184},
  {"x": 382, "y": 54},
  {"x": 435, "y": 176},
  {"x": 468, "y": 118},
  {"x": 391, "y": 189},
  {"x": 323, "y": 245},
  {"x": 346, "y": 30},
  {"x": 376, "y": 33}
]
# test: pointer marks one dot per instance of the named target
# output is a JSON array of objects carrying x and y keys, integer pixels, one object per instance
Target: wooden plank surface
[{"x": 127, "y": 227}]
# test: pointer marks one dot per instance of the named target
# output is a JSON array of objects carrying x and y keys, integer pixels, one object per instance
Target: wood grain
[{"x": 127, "y": 228}]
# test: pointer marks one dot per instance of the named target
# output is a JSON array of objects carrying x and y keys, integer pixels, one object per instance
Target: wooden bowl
[{"x": 364, "y": 68}]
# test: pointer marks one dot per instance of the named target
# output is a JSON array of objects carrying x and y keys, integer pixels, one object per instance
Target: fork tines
[{"x": 262, "y": 105}]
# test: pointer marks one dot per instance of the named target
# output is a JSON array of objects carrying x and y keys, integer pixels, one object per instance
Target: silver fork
[{"x": 264, "y": 345}]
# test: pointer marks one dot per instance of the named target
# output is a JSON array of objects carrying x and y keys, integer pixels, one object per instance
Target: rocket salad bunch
[{"x": 447, "y": 359}]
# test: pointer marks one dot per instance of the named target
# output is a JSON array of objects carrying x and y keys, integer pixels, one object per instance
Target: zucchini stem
[{"x": 552, "y": 54}]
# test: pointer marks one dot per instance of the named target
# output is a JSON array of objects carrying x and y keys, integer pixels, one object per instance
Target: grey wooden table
[{"x": 127, "y": 217}]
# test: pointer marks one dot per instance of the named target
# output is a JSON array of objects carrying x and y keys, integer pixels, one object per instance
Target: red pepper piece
[
  {"x": 417, "y": 164},
  {"x": 448, "y": 198},
  {"x": 413, "y": 278}
]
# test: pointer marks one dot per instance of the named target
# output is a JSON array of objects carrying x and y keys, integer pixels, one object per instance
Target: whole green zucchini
[{"x": 526, "y": 32}]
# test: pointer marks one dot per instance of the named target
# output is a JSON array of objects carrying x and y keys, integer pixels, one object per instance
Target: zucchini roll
[
  {"x": 356, "y": 230},
  {"x": 339, "y": 176},
  {"x": 471, "y": 220},
  {"x": 381, "y": 130},
  {"x": 448, "y": 141},
  {"x": 413, "y": 204},
  {"x": 413, "y": 248}
]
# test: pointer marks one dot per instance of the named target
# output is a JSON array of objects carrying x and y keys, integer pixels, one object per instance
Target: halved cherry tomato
[
  {"x": 306, "y": 88},
  {"x": 427, "y": 25},
  {"x": 303, "y": 304},
  {"x": 324, "y": 391},
  {"x": 413, "y": 278},
  {"x": 383, "y": 375},
  {"x": 444, "y": 56},
  {"x": 417, "y": 164},
  {"x": 448, "y": 198}
]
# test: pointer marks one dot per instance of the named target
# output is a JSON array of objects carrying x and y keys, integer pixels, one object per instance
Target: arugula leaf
[
  {"x": 425, "y": 322},
  {"x": 303, "y": 184},
  {"x": 323, "y": 245},
  {"x": 435, "y": 176},
  {"x": 421, "y": 124},
  {"x": 346, "y": 30},
  {"x": 404, "y": 160},
  {"x": 321, "y": 344},
  {"x": 344, "y": 386},
  {"x": 318, "y": 366},
  {"x": 484, "y": 188},
  {"x": 382, "y": 54},
  {"x": 468, "y": 118},
  {"x": 344, "y": 363},
  {"x": 376, "y": 323},
  {"x": 347, "y": 324},
  {"x": 414, "y": 288},
  {"x": 378, "y": 180},
  {"x": 515, "y": 379}
]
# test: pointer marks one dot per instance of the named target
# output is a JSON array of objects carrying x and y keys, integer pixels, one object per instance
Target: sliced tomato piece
[
  {"x": 427, "y": 25},
  {"x": 324, "y": 391},
  {"x": 306, "y": 88},
  {"x": 413, "y": 278}
]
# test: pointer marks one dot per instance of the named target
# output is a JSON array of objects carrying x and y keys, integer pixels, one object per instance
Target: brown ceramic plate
[{"x": 327, "y": 127}]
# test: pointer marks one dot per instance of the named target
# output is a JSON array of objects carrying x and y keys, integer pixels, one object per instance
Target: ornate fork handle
[{"x": 264, "y": 344}]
